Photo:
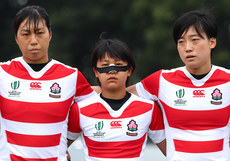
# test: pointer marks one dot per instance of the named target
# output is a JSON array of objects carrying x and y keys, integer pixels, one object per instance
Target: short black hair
[
  {"x": 115, "y": 49},
  {"x": 201, "y": 20},
  {"x": 34, "y": 15}
]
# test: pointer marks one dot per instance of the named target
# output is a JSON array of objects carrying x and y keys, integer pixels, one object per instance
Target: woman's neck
[
  {"x": 199, "y": 71},
  {"x": 113, "y": 94}
]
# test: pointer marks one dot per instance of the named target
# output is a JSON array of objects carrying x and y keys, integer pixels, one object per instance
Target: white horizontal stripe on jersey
[
  {"x": 155, "y": 136},
  {"x": 67, "y": 85},
  {"x": 38, "y": 129},
  {"x": 109, "y": 159},
  {"x": 73, "y": 136},
  {"x": 214, "y": 156},
  {"x": 204, "y": 135},
  {"x": 168, "y": 96},
  {"x": 32, "y": 152},
  {"x": 111, "y": 133}
]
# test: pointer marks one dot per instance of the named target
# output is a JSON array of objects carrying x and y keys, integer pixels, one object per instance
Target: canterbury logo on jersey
[
  {"x": 115, "y": 124},
  {"x": 198, "y": 93},
  {"x": 35, "y": 86}
]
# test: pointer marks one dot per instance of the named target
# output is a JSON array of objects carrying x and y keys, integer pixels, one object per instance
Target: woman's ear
[
  {"x": 95, "y": 72},
  {"x": 212, "y": 42},
  {"x": 130, "y": 70},
  {"x": 16, "y": 39},
  {"x": 50, "y": 35}
]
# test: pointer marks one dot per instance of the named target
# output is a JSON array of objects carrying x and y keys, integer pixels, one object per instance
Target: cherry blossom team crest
[
  {"x": 216, "y": 97},
  {"x": 132, "y": 128},
  {"x": 55, "y": 89}
]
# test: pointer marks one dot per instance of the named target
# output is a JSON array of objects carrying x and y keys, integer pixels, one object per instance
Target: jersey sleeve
[
  {"x": 156, "y": 129},
  {"x": 149, "y": 86},
  {"x": 83, "y": 88},
  {"x": 74, "y": 129}
]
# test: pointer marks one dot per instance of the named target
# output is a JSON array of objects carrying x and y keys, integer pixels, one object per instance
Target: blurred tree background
[{"x": 144, "y": 25}]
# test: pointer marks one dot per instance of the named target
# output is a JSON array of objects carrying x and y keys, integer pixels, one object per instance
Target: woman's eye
[
  {"x": 39, "y": 33},
  {"x": 104, "y": 65},
  {"x": 120, "y": 63},
  {"x": 25, "y": 34},
  {"x": 180, "y": 41}
]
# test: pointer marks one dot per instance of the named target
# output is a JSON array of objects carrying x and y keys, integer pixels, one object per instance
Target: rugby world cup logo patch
[
  {"x": 14, "y": 86},
  {"x": 99, "y": 126},
  {"x": 180, "y": 94}
]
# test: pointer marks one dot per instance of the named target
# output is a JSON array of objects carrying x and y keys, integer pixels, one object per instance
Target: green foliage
[{"x": 145, "y": 25}]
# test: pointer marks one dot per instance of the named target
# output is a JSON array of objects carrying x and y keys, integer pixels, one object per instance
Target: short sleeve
[
  {"x": 83, "y": 88},
  {"x": 149, "y": 86},
  {"x": 156, "y": 128},
  {"x": 74, "y": 129}
]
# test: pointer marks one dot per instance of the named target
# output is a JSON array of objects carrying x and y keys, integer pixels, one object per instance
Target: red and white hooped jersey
[
  {"x": 115, "y": 135},
  {"x": 196, "y": 112},
  {"x": 34, "y": 108}
]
